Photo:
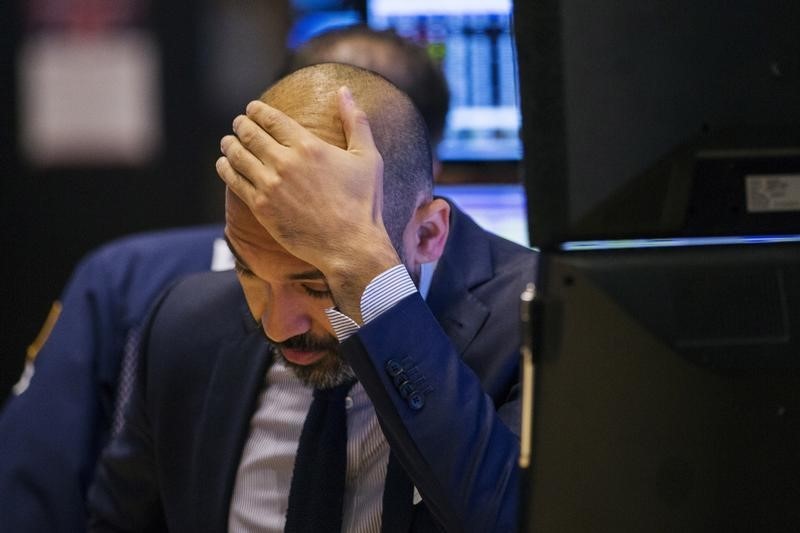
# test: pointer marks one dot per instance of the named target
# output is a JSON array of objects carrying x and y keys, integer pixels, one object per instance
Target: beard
[{"x": 330, "y": 371}]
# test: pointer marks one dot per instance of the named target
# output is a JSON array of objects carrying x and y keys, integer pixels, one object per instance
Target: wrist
[{"x": 350, "y": 274}]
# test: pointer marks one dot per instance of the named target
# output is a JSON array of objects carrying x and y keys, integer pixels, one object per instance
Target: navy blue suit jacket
[
  {"x": 52, "y": 434},
  {"x": 204, "y": 362}
]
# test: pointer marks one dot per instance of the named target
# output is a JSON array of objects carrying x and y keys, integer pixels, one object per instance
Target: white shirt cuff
[{"x": 381, "y": 294}]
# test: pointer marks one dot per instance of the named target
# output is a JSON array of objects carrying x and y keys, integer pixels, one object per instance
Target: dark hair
[
  {"x": 308, "y": 95},
  {"x": 407, "y": 65}
]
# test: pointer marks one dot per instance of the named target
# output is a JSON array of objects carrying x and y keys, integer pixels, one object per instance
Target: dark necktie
[
  {"x": 398, "y": 494},
  {"x": 318, "y": 481}
]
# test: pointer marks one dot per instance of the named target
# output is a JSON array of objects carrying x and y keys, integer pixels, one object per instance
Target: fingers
[
  {"x": 247, "y": 166},
  {"x": 242, "y": 171},
  {"x": 257, "y": 141},
  {"x": 359, "y": 139},
  {"x": 242, "y": 158},
  {"x": 278, "y": 126},
  {"x": 240, "y": 185},
  {"x": 356, "y": 125}
]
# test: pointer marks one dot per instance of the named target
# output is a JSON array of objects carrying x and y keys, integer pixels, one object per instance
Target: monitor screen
[
  {"x": 474, "y": 39},
  {"x": 317, "y": 16},
  {"x": 499, "y": 208}
]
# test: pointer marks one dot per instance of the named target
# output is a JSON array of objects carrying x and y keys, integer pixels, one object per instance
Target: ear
[{"x": 426, "y": 236}]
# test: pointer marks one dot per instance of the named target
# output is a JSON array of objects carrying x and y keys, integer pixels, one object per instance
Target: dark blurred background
[{"x": 197, "y": 63}]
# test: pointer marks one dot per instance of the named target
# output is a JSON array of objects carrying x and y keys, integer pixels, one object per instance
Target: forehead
[{"x": 252, "y": 244}]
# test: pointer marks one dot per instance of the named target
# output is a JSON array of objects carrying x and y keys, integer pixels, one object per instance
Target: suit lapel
[
  {"x": 465, "y": 264},
  {"x": 233, "y": 390}
]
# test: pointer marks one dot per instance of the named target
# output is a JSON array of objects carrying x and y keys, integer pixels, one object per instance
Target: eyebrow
[
  {"x": 309, "y": 275},
  {"x": 236, "y": 255}
]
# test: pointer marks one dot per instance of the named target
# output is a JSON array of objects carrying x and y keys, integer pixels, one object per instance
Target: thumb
[{"x": 357, "y": 132}]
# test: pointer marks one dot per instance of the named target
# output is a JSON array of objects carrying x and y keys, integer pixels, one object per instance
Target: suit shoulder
[
  {"x": 153, "y": 255},
  {"x": 128, "y": 273},
  {"x": 207, "y": 305},
  {"x": 513, "y": 256},
  {"x": 173, "y": 241}
]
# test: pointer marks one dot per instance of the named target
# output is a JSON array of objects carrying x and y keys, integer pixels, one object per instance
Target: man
[
  {"x": 326, "y": 234},
  {"x": 52, "y": 434}
]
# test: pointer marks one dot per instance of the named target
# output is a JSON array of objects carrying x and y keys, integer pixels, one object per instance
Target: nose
[{"x": 285, "y": 316}]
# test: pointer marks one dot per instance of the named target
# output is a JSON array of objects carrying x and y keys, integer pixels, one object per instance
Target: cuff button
[{"x": 416, "y": 401}]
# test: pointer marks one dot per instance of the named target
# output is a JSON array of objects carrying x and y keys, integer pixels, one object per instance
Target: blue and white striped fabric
[{"x": 382, "y": 293}]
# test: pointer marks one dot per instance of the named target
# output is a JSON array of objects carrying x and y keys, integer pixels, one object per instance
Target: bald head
[
  {"x": 309, "y": 97},
  {"x": 407, "y": 65}
]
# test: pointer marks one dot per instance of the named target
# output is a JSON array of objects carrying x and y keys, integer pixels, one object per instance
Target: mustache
[{"x": 307, "y": 343}]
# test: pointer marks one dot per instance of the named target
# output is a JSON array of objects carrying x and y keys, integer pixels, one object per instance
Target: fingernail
[
  {"x": 236, "y": 122},
  {"x": 251, "y": 107},
  {"x": 345, "y": 90},
  {"x": 224, "y": 143}
]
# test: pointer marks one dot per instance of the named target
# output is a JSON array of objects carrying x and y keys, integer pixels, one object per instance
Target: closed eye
[
  {"x": 242, "y": 270},
  {"x": 314, "y": 293}
]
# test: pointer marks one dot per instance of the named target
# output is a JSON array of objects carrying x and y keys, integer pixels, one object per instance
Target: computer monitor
[
  {"x": 662, "y": 165},
  {"x": 667, "y": 391},
  {"x": 659, "y": 119},
  {"x": 498, "y": 207},
  {"x": 312, "y": 17},
  {"x": 474, "y": 41}
]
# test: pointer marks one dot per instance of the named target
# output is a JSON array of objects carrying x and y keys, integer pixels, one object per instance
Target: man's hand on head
[{"x": 321, "y": 203}]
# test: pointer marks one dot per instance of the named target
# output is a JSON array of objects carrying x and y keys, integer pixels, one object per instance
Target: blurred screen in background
[
  {"x": 474, "y": 42},
  {"x": 473, "y": 39}
]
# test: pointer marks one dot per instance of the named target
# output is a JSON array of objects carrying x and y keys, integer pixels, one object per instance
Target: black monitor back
[
  {"x": 667, "y": 380},
  {"x": 667, "y": 391},
  {"x": 644, "y": 118}
]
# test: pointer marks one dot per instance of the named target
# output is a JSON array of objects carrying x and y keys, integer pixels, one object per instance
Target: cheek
[
  {"x": 321, "y": 324},
  {"x": 256, "y": 295}
]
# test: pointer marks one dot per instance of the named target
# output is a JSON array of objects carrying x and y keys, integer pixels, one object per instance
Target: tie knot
[{"x": 337, "y": 393}]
